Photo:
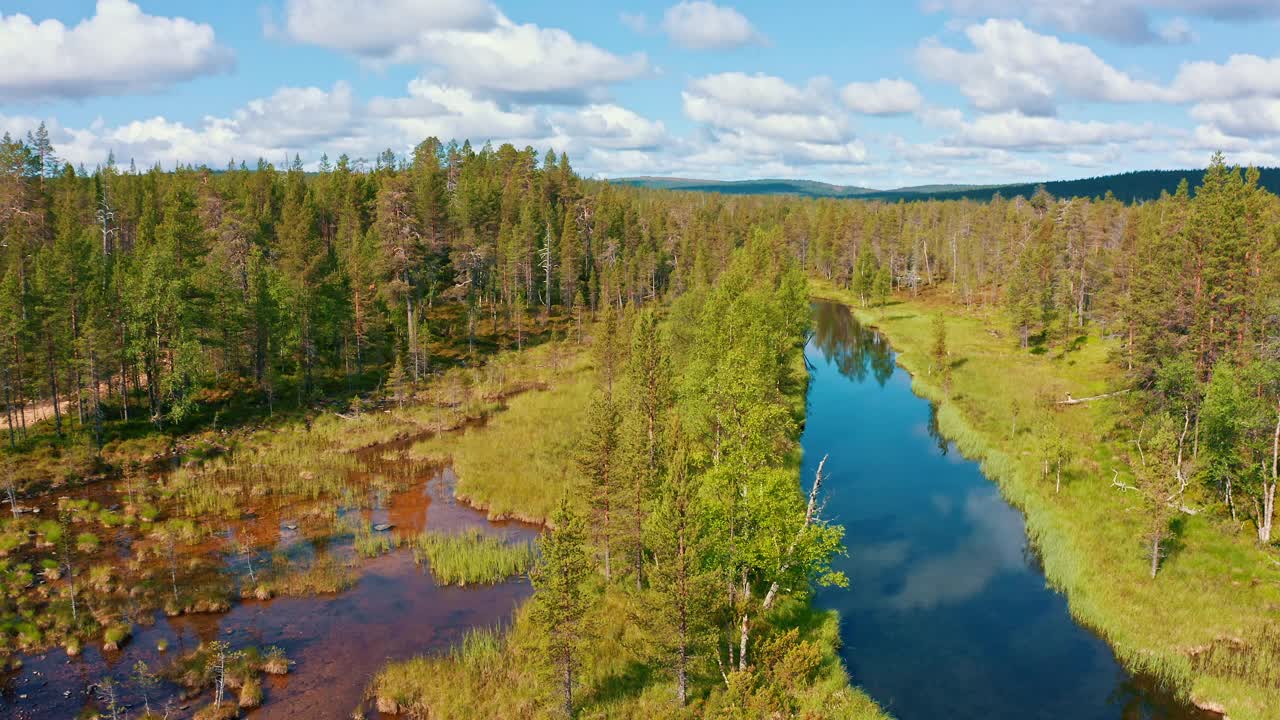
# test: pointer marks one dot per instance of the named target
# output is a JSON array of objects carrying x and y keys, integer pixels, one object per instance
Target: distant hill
[
  {"x": 768, "y": 186},
  {"x": 1128, "y": 187}
]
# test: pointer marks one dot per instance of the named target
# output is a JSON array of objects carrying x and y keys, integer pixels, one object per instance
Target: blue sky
[{"x": 875, "y": 94}]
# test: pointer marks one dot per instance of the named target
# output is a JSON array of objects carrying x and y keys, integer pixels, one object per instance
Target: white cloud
[
  {"x": 523, "y": 61},
  {"x": 1015, "y": 68},
  {"x": 117, "y": 51},
  {"x": 378, "y": 28},
  {"x": 1122, "y": 21},
  {"x": 608, "y": 126},
  {"x": 298, "y": 118},
  {"x": 761, "y": 117},
  {"x": 703, "y": 25},
  {"x": 1240, "y": 76},
  {"x": 309, "y": 120},
  {"x": 766, "y": 105},
  {"x": 1014, "y": 130},
  {"x": 1248, "y": 118},
  {"x": 472, "y": 44},
  {"x": 452, "y": 112},
  {"x": 883, "y": 97}
]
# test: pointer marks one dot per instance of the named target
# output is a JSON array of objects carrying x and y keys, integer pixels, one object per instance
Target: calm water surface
[{"x": 947, "y": 613}]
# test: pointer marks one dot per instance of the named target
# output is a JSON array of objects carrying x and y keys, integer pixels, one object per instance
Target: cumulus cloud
[
  {"x": 308, "y": 120},
  {"x": 449, "y": 112},
  {"x": 1121, "y": 21},
  {"x": 766, "y": 105},
  {"x": 119, "y": 50},
  {"x": 471, "y": 43},
  {"x": 378, "y": 28},
  {"x": 608, "y": 126},
  {"x": 523, "y": 60},
  {"x": 703, "y": 25},
  {"x": 764, "y": 117},
  {"x": 883, "y": 97},
  {"x": 1241, "y": 76},
  {"x": 1013, "y": 130},
  {"x": 1248, "y": 118},
  {"x": 1014, "y": 68}
]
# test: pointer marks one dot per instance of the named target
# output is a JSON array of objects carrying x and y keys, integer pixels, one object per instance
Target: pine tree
[
  {"x": 570, "y": 258},
  {"x": 560, "y": 600},
  {"x": 599, "y": 461},
  {"x": 939, "y": 355},
  {"x": 648, "y": 373},
  {"x": 680, "y": 615}
]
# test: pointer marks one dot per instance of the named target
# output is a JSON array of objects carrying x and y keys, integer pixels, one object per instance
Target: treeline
[
  {"x": 1188, "y": 287},
  {"x": 123, "y": 287},
  {"x": 1130, "y": 187},
  {"x": 150, "y": 286}
]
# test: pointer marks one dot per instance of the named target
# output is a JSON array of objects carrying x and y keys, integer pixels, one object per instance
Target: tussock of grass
[
  {"x": 471, "y": 557},
  {"x": 323, "y": 576},
  {"x": 1218, "y": 584}
]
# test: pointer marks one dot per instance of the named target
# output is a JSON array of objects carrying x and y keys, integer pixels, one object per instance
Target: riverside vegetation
[{"x": 294, "y": 342}]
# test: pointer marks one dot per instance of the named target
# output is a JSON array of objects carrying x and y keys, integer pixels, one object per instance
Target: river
[{"x": 947, "y": 613}]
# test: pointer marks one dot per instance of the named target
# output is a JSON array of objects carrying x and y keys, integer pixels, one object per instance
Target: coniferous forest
[{"x": 192, "y": 353}]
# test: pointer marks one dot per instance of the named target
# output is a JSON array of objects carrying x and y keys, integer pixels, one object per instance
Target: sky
[{"x": 876, "y": 94}]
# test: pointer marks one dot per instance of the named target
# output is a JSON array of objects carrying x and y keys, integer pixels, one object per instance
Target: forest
[{"x": 145, "y": 311}]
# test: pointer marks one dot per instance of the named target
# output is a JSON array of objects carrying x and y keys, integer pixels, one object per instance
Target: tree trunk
[
  {"x": 568, "y": 686},
  {"x": 809, "y": 513},
  {"x": 53, "y": 388},
  {"x": 1269, "y": 489},
  {"x": 1155, "y": 554}
]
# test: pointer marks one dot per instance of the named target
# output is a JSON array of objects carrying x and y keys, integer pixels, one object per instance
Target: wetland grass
[
  {"x": 519, "y": 463},
  {"x": 472, "y": 557}
]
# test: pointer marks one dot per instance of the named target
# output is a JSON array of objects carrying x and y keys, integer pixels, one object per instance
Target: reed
[{"x": 471, "y": 557}]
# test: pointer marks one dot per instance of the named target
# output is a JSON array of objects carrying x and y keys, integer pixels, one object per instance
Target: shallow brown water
[{"x": 335, "y": 642}]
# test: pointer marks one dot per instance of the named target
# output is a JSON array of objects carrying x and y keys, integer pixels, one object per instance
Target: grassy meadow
[
  {"x": 1206, "y": 623},
  {"x": 520, "y": 462}
]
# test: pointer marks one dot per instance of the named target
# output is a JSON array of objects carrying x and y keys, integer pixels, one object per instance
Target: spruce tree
[{"x": 560, "y": 601}]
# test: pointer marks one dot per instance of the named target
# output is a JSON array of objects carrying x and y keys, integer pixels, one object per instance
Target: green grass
[
  {"x": 520, "y": 462},
  {"x": 1218, "y": 587},
  {"x": 471, "y": 557},
  {"x": 322, "y": 576},
  {"x": 493, "y": 675}
]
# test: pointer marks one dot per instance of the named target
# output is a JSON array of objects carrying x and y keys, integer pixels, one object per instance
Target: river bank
[{"x": 1200, "y": 627}]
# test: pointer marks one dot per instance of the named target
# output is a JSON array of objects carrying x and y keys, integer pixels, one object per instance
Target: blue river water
[{"x": 947, "y": 613}]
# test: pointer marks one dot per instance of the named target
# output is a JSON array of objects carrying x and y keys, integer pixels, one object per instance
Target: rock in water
[{"x": 383, "y": 527}]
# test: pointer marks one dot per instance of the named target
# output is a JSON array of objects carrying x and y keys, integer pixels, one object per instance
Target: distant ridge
[
  {"x": 767, "y": 186},
  {"x": 1128, "y": 187}
]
